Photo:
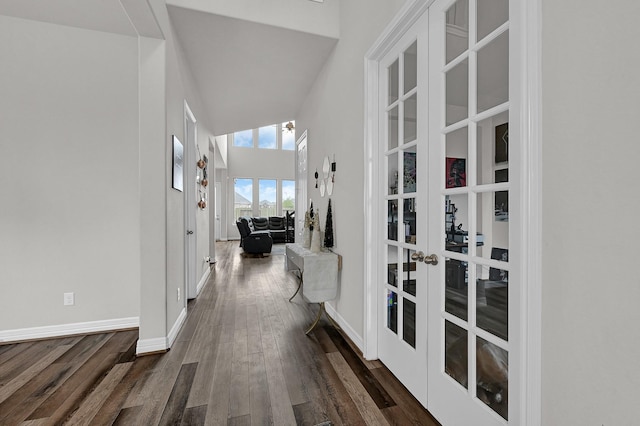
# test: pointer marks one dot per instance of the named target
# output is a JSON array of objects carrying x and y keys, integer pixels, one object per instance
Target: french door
[
  {"x": 449, "y": 323},
  {"x": 402, "y": 344}
]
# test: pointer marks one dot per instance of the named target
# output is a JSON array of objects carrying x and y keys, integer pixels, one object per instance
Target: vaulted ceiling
[{"x": 247, "y": 73}]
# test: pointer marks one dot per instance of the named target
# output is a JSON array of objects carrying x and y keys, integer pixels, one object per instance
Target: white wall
[
  {"x": 591, "y": 286},
  {"x": 334, "y": 116},
  {"x": 68, "y": 175}
]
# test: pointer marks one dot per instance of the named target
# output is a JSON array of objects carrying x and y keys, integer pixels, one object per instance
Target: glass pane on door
[
  {"x": 457, "y": 93},
  {"x": 456, "y": 353},
  {"x": 491, "y": 14},
  {"x": 410, "y": 58},
  {"x": 492, "y": 381},
  {"x": 457, "y": 39},
  {"x": 493, "y": 73},
  {"x": 409, "y": 322},
  {"x": 394, "y": 78}
]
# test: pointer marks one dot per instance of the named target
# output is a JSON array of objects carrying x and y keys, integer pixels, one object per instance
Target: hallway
[{"x": 241, "y": 358}]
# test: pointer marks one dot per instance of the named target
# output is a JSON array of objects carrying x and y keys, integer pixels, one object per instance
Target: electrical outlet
[
  {"x": 178, "y": 293},
  {"x": 69, "y": 299}
]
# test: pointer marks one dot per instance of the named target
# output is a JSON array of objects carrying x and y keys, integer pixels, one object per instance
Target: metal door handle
[
  {"x": 189, "y": 232},
  {"x": 419, "y": 256},
  {"x": 431, "y": 259}
]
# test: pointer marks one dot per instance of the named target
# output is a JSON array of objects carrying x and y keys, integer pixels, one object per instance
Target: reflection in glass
[
  {"x": 493, "y": 149},
  {"x": 409, "y": 322},
  {"x": 493, "y": 223},
  {"x": 456, "y": 209},
  {"x": 456, "y": 288},
  {"x": 410, "y": 118},
  {"x": 411, "y": 67},
  {"x": 392, "y": 220},
  {"x": 409, "y": 170},
  {"x": 492, "y": 386},
  {"x": 457, "y": 93},
  {"x": 392, "y": 311},
  {"x": 288, "y": 137},
  {"x": 456, "y": 158},
  {"x": 457, "y": 40},
  {"x": 455, "y": 357},
  {"x": 392, "y": 266},
  {"x": 409, "y": 273},
  {"x": 409, "y": 217},
  {"x": 493, "y": 73},
  {"x": 491, "y": 14},
  {"x": 492, "y": 301},
  {"x": 393, "y": 128},
  {"x": 393, "y": 173},
  {"x": 393, "y": 82}
]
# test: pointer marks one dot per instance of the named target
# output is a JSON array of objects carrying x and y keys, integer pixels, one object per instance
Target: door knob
[
  {"x": 419, "y": 256},
  {"x": 431, "y": 259},
  {"x": 189, "y": 232}
]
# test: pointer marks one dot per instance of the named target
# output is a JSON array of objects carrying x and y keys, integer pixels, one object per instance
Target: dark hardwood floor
[{"x": 241, "y": 358}]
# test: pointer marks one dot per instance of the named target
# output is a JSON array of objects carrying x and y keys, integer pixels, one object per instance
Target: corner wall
[
  {"x": 68, "y": 176},
  {"x": 591, "y": 288}
]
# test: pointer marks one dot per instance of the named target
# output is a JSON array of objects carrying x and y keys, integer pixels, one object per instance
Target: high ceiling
[{"x": 248, "y": 74}]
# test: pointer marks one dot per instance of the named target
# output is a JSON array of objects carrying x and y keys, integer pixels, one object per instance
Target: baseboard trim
[
  {"x": 344, "y": 325},
  {"x": 147, "y": 346},
  {"x": 203, "y": 281},
  {"x": 176, "y": 327},
  {"x": 50, "y": 331}
]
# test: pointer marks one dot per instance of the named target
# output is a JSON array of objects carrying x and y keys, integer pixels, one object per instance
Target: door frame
[
  {"x": 528, "y": 100},
  {"x": 190, "y": 222},
  {"x": 301, "y": 187}
]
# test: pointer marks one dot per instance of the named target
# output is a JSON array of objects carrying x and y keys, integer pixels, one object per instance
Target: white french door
[
  {"x": 449, "y": 323},
  {"x": 402, "y": 345},
  {"x": 472, "y": 321}
]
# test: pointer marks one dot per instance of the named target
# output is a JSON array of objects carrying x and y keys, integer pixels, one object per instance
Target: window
[
  {"x": 267, "y": 137},
  {"x": 243, "y": 139},
  {"x": 267, "y": 197},
  {"x": 243, "y": 205},
  {"x": 288, "y": 196},
  {"x": 288, "y": 137},
  {"x": 274, "y": 136}
]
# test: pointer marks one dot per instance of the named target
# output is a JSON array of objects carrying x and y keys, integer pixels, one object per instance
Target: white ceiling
[{"x": 248, "y": 74}]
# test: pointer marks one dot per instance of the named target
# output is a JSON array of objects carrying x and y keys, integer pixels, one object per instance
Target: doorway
[
  {"x": 442, "y": 305},
  {"x": 191, "y": 235}
]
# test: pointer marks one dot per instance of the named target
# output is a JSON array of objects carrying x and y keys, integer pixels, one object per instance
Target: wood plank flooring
[{"x": 241, "y": 358}]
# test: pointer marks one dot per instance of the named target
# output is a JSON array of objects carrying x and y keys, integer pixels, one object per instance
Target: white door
[
  {"x": 472, "y": 332},
  {"x": 218, "y": 226},
  {"x": 446, "y": 330},
  {"x": 402, "y": 343},
  {"x": 301, "y": 184},
  {"x": 191, "y": 200}
]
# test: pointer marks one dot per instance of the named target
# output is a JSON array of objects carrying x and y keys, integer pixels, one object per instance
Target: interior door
[
  {"x": 471, "y": 320},
  {"x": 402, "y": 343},
  {"x": 301, "y": 185},
  {"x": 191, "y": 199}
]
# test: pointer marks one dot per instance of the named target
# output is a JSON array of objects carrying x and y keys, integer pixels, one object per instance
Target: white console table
[{"x": 318, "y": 276}]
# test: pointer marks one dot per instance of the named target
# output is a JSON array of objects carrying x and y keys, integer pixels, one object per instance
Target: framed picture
[
  {"x": 178, "y": 165},
  {"x": 502, "y": 143},
  {"x": 456, "y": 172}
]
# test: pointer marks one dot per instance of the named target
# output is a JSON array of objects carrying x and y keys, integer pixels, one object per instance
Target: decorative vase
[{"x": 316, "y": 239}]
